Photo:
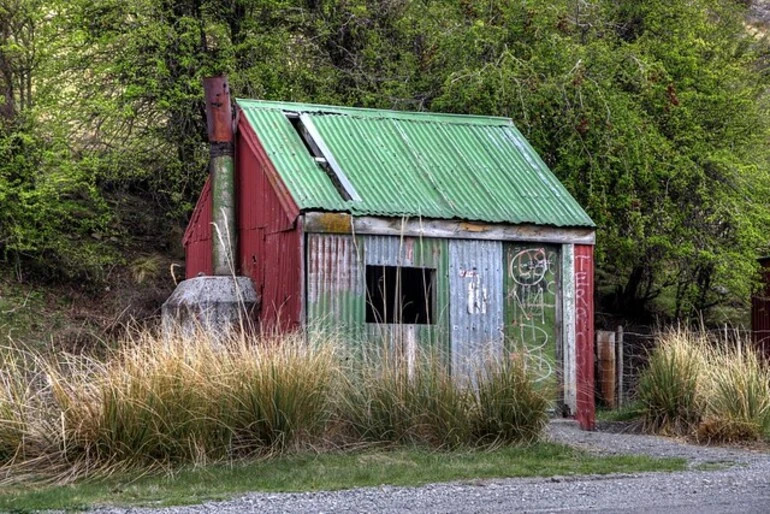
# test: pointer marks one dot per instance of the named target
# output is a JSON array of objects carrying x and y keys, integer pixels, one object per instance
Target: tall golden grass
[
  {"x": 714, "y": 390},
  {"x": 388, "y": 401},
  {"x": 187, "y": 399},
  {"x": 190, "y": 399}
]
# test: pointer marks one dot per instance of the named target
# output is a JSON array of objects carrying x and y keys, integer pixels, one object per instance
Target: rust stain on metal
[
  {"x": 219, "y": 112},
  {"x": 270, "y": 249},
  {"x": 197, "y": 238}
]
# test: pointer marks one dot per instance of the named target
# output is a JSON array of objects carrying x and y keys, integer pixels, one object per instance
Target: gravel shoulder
[
  {"x": 613, "y": 443},
  {"x": 740, "y": 483}
]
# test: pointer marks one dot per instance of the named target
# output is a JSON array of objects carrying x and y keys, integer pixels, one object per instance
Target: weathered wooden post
[
  {"x": 605, "y": 346},
  {"x": 620, "y": 363}
]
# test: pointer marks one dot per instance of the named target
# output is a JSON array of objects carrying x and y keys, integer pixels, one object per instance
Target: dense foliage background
[{"x": 654, "y": 114}]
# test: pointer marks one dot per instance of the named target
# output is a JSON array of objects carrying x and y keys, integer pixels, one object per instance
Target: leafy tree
[
  {"x": 653, "y": 113},
  {"x": 53, "y": 219}
]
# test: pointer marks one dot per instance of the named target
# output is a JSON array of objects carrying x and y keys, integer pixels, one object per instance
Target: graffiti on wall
[
  {"x": 477, "y": 297},
  {"x": 532, "y": 275},
  {"x": 584, "y": 335}
]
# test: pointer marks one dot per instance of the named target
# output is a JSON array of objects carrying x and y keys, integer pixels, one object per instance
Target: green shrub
[
  {"x": 279, "y": 395},
  {"x": 191, "y": 399},
  {"x": 188, "y": 399},
  {"x": 19, "y": 403},
  {"x": 737, "y": 396},
  {"x": 388, "y": 401}
]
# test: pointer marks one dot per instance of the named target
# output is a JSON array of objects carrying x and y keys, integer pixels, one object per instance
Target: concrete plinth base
[{"x": 217, "y": 305}]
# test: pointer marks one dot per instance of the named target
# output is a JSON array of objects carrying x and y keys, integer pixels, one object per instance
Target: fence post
[
  {"x": 619, "y": 363},
  {"x": 605, "y": 343}
]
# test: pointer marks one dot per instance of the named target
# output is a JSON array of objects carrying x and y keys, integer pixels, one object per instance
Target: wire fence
[{"x": 638, "y": 344}]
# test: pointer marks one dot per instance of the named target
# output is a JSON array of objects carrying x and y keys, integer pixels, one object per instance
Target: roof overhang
[{"x": 343, "y": 223}]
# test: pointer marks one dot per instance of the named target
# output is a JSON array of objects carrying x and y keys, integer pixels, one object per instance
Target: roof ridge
[{"x": 371, "y": 113}]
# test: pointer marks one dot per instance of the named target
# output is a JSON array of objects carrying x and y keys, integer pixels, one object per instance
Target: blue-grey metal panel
[
  {"x": 389, "y": 251},
  {"x": 476, "y": 301},
  {"x": 412, "y": 252}
]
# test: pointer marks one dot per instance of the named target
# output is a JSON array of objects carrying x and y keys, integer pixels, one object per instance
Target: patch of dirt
[{"x": 635, "y": 426}]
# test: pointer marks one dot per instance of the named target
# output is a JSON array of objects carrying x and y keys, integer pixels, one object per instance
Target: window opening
[
  {"x": 400, "y": 295},
  {"x": 310, "y": 145},
  {"x": 316, "y": 146}
]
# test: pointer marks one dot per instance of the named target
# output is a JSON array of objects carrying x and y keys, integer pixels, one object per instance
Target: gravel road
[{"x": 742, "y": 484}]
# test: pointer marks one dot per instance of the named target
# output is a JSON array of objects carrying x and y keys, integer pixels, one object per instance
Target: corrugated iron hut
[{"x": 418, "y": 227}]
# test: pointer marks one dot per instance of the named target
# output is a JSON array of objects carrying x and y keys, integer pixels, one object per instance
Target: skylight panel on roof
[{"x": 303, "y": 124}]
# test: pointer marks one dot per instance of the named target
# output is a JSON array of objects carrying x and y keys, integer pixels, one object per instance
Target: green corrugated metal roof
[{"x": 416, "y": 164}]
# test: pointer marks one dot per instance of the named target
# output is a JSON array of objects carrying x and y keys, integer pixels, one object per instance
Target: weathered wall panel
[
  {"x": 269, "y": 246},
  {"x": 532, "y": 310},
  {"x": 197, "y": 237},
  {"x": 336, "y": 292},
  {"x": 476, "y": 301},
  {"x": 760, "y": 324},
  {"x": 584, "y": 335},
  {"x": 760, "y": 311}
]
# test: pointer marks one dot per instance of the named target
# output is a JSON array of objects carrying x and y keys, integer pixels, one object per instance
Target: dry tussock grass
[
  {"x": 189, "y": 399},
  {"x": 714, "y": 390}
]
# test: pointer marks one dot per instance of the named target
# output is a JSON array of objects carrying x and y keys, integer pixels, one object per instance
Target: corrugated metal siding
[
  {"x": 532, "y": 315},
  {"x": 584, "y": 335},
  {"x": 421, "y": 253},
  {"x": 411, "y": 164},
  {"x": 760, "y": 324},
  {"x": 197, "y": 237},
  {"x": 336, "y": 292},
  {"x": 269, "y": 246},
  {"x": 336, "y": 287},
  {"x": 476, "y": 300}
]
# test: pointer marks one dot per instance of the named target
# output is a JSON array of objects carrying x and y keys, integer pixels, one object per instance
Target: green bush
[
  {"x": 507, "y": 406},
  {"x": 737, "y": 396},
  {"x": 388, "y": 401},
  {"x": 191, "y": 399}
]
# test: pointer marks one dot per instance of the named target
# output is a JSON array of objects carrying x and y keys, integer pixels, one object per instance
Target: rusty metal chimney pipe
[{"x": 219, "y": 121}]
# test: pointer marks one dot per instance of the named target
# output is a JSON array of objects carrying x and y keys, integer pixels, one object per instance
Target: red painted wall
[
  {"x": 197, "y": 237},
  {"x": 584, "y": 335},
  {"x": 269, "y": 234}
]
